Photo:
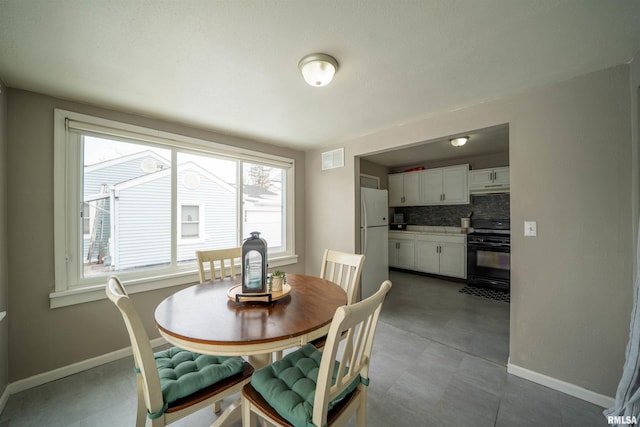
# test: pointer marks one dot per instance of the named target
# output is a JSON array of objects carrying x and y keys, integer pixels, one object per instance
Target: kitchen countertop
[{"x": 432, "y": 229}]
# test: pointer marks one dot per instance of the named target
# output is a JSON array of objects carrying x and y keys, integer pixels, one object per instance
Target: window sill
[{"x": 96, "y": 292}]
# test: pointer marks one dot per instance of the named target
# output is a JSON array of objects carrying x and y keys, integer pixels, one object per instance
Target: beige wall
[
  {"x": 571, "y": 171},
  {"x": 42, "y": 339},
  {"x": 4, "y": 275},
  {"x": 374, "y": 169},
  {"x": 330, "y": 196}
]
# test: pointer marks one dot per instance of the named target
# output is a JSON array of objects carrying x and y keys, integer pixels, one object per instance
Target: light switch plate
[{"x": 530, "y": 228}]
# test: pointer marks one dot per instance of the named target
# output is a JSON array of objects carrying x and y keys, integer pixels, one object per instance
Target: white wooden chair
[
  {"x": 159, "y": 400},
  {"x": 224, "y": 258},
  {"x": 344, "y": 269},
  {"x": 279, "y": 393}
]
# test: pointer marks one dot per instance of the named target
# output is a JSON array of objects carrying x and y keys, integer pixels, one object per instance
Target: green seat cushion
[
  {"x": 289, "y": 385},
  {"x": 183, "y": 373}
]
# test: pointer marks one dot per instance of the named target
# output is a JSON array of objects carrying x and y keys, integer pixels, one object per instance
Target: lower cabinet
[
  {"x": 453, "y": 260},
  {"x": 429, "y": 253},
  {"x": 402, "y": 251}
]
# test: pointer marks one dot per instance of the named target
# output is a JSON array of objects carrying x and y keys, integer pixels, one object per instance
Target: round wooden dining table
[{"x": 202, "y": 318}]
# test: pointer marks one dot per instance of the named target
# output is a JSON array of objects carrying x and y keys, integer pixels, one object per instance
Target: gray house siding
[
  {"x": 142, "y": 222},
  {"x": 112, "y": 173},
  {"x": 218, "y": 213},
  {"x": 142, "y": 218},
  {"x": 115, "y": 173}
]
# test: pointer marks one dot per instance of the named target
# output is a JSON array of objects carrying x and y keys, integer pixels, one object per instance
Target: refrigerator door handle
[
  {"x": 363, "y": 220},
  {"x": 364, "y": 240}
]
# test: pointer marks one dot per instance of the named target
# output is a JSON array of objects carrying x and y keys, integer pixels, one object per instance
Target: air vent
[{"x": 333, "y": 159}]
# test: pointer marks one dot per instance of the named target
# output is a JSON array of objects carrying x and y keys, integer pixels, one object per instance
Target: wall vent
[{"x": 333, "y": 159}]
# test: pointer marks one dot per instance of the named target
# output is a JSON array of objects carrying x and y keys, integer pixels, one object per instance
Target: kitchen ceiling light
[
  {"x": 459, "y": 142},
  {"x": 318, "y": 69}
]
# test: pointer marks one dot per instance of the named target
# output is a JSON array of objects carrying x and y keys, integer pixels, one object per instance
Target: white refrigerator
[{"x": 374, "y": 235}]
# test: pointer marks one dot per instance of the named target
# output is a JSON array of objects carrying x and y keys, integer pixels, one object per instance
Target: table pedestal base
[{"x": 233, "y": 412}]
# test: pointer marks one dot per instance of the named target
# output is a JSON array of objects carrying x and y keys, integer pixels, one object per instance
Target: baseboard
[
  {"x": 559, "y": 385},
  {"x": 75, "y": 368}
]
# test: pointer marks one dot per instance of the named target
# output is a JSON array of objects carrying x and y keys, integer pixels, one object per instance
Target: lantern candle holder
[{"x": 254, "y": 264}]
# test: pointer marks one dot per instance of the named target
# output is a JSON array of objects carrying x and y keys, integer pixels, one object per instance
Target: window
[
  {"x": 190, "y": 223},
  {"x": 138, "y": 203}
]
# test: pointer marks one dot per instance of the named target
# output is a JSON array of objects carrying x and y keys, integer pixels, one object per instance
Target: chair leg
[
  {"x": 141, "y": 413},
  {"x": 249, "y": 419},
  {"x": 361, "y": 412},
  {"x": 361, "y": 416},
  {"x": 157, "y": 422}
]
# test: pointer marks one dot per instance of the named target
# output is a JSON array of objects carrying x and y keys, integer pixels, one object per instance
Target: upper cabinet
[
  {"x": 404, "y": 189},
  {"x": 445, "y": 186},
  {"x": 442, "y": 186},
  {"x": 489, "y": 180}
]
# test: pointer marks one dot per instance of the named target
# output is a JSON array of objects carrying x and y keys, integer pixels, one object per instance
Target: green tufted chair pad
[
  {"x": 289, "y": 385},
  {"x": 183, "y": 373}
]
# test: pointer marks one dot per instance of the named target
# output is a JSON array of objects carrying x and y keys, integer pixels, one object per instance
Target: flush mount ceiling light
[
  {"x": 459, "y": 142},
  {"x": 318, "y": 69}
]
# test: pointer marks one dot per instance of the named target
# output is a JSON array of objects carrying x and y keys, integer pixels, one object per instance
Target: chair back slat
[
  {"x": 350, "y": 343},
  {"x": 221, "y": 263},
  {"x": 344, "y": 269}
]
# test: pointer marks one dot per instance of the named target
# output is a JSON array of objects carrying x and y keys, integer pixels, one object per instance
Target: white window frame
[{"x": 70, "y": 288}]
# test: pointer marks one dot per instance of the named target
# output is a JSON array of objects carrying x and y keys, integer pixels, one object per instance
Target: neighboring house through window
[
  {"x": 86, "y": 219},
  {"x": 190, "y": 222},
  {"x": 149, "y": 200}
]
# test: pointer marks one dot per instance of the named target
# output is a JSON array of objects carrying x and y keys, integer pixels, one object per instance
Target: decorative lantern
[{"x": 254, "y": 264}]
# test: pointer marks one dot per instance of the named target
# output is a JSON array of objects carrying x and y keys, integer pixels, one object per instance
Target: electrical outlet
[{"x": 530, "y": 228}]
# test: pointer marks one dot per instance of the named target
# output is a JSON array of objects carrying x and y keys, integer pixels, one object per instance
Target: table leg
[
  {"x": 260, "y": 360},
  {"x": 233, "y": 412}
]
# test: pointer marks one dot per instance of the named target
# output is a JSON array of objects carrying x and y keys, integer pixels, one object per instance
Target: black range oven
[{"x": 489, "y": 254}]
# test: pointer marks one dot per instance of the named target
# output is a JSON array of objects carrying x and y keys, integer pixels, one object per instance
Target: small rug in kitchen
[{"x": 487, "y": 293}]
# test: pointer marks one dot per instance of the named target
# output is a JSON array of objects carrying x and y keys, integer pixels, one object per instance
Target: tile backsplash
[{"x": 482, "y": 206}]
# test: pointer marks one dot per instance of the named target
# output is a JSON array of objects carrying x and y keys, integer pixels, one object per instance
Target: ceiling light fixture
[
  {"x": 459, "y": 142},
  {"x": 318, "y": 69}
]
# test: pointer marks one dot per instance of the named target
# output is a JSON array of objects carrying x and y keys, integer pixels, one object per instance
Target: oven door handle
[{"x": 488, "y": 245}]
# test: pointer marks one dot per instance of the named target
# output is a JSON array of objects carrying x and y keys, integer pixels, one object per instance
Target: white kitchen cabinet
[
  {"x": 441, "y": 186},
  {"x": 445, "y": 186},
  {"x": 401, "y": 250},
  {"x": 489, "y": 180},
  {"x": 432, "y": 187},
  {"x": 453, "y": 259},
  {"x": 427, "y": 255},
  {"x": 438, "y": 254},
  {"x": 404, "y": 189}
]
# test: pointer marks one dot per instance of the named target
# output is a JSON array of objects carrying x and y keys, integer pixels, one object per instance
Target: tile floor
[{"x": 439, "y": 360}]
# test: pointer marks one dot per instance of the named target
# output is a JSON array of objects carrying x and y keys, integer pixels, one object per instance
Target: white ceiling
[
  {"x": 231, "y": 66},
  {"x": 481, "y": 142}
]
